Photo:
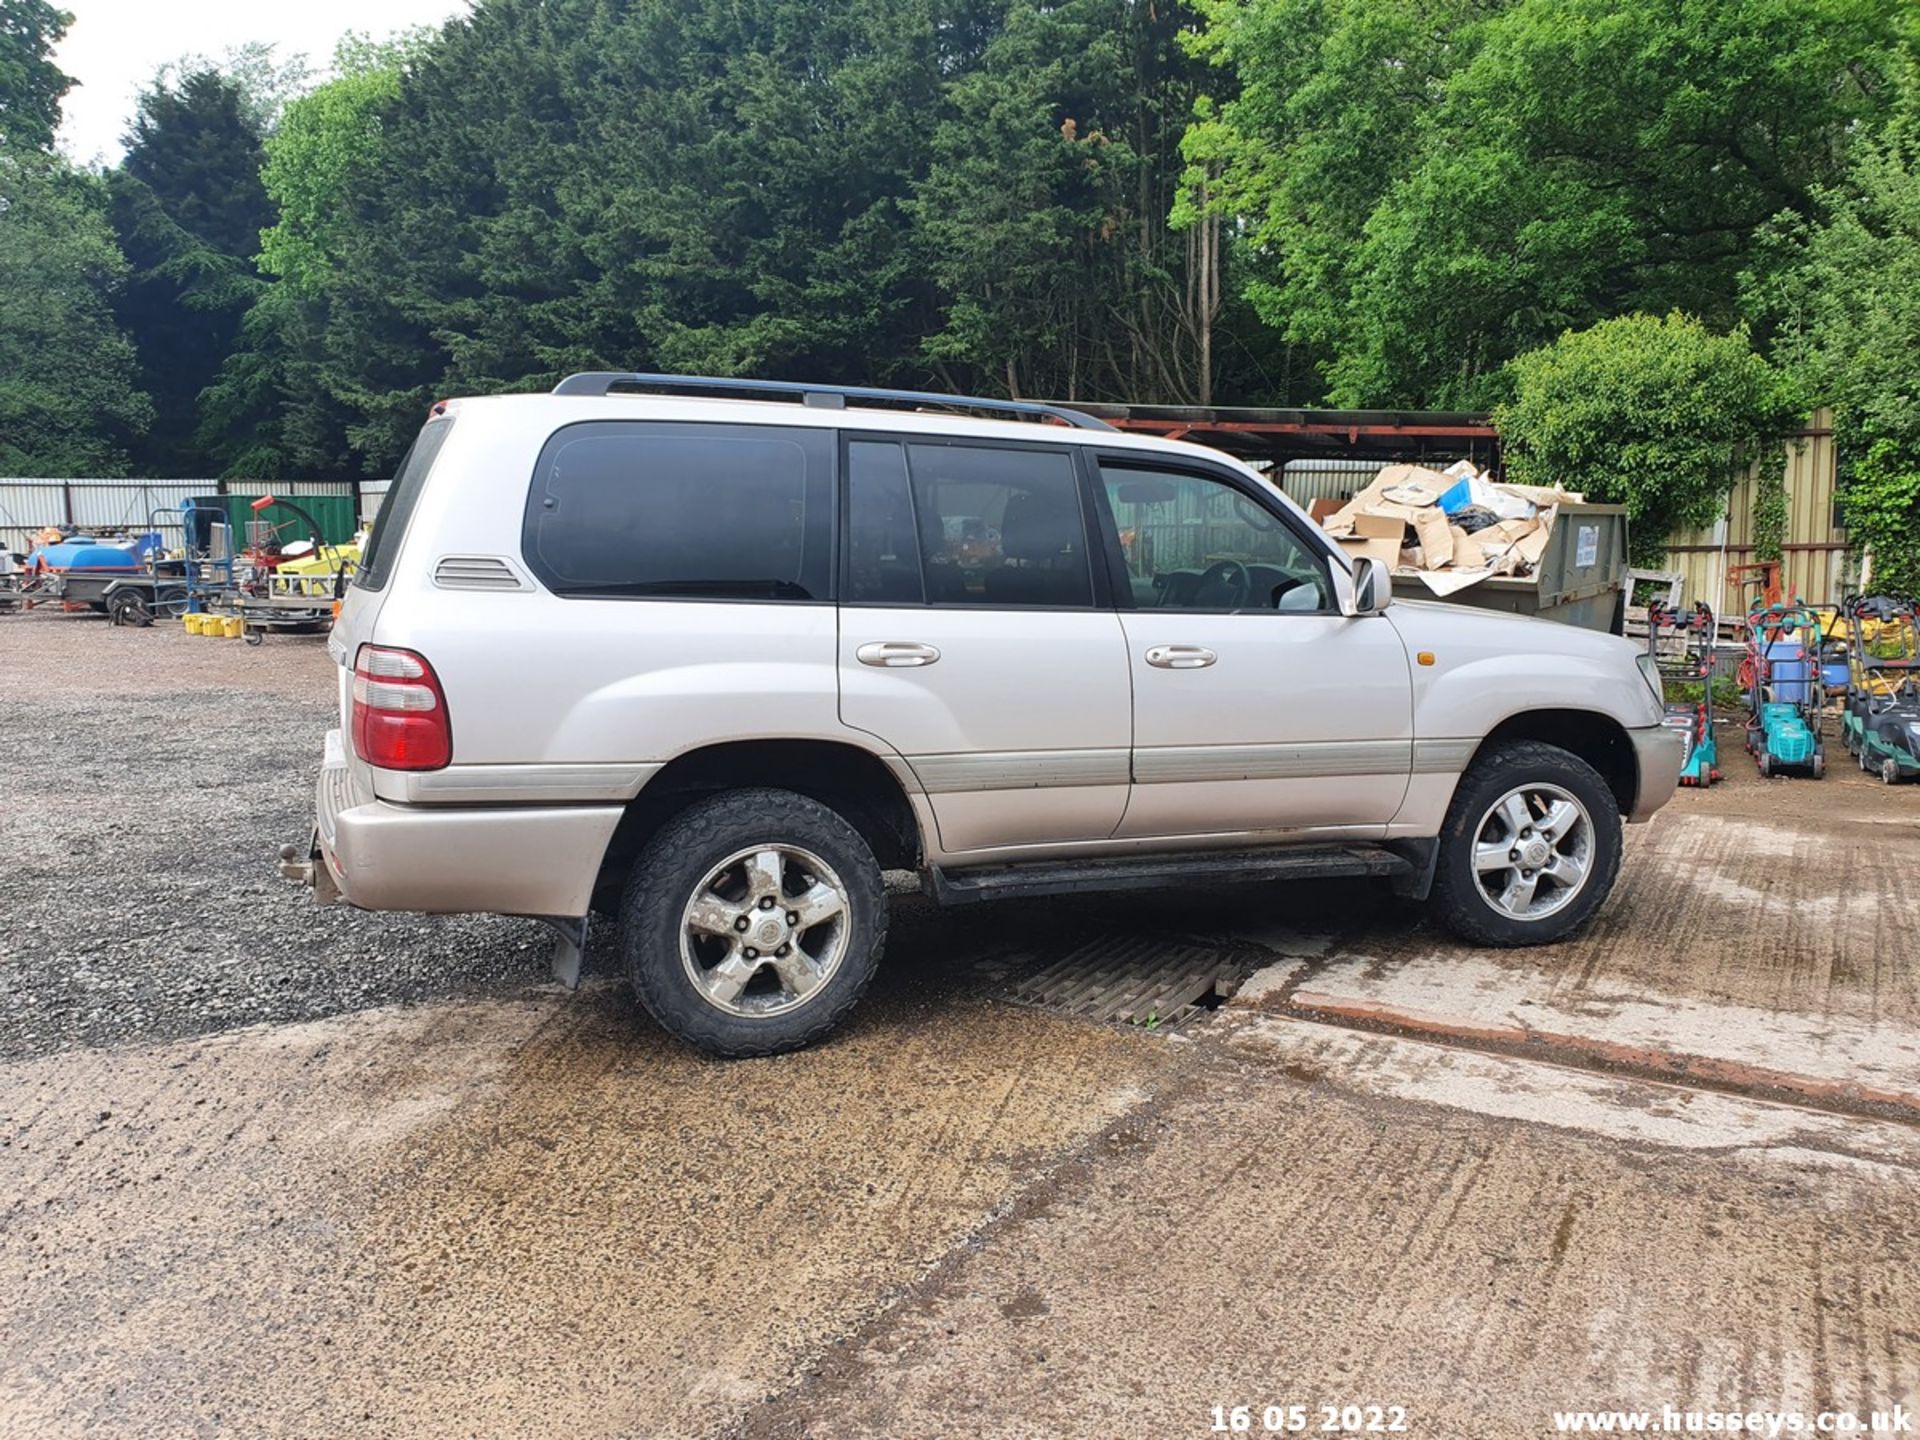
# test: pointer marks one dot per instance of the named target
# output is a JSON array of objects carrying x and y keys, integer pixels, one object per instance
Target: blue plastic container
[
  {"x": 83, "y": 552},
  {"x": 1791, "y": 672}
]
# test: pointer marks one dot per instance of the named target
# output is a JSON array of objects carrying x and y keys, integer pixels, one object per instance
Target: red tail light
[{"x": 400, "y": 717}]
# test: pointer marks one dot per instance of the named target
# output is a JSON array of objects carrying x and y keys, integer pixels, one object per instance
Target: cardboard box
[
  {"x": 1387, "y": 552},
  {"x": 1371, "y": 525},
  {"x": 1323, "y": 508},
  {"x": 1436, "y": 538},
  {"x": 1467, "y": 554}
]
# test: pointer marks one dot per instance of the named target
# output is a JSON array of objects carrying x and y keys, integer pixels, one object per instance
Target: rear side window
[
  {"x": 631, "y": 508},
  {"x": 390, "y": 525},
  {"x": 999, "y": 526}
]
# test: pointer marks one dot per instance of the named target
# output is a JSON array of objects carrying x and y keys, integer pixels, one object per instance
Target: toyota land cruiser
[{"x": 711, "y": 655}]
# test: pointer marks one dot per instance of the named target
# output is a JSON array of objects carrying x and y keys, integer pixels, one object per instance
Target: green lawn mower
[
  {"x": 1681, "y": 643},
  {"x": 1781, "y": 675},
  {"x": 1881, "y": 722}
]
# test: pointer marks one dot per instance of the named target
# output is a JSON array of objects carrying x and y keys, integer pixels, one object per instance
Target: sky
[{"x": 115, "y": 46}]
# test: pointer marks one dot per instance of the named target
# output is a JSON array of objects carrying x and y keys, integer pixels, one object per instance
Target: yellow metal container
[
  {"x": 233, "y": 626},
  {"x": 192, "y": 622}
]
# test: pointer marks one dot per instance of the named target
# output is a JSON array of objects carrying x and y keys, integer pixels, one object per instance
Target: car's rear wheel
[
  {"x": 752, "y": 922},
  {"x": 1530, "y": 848}
]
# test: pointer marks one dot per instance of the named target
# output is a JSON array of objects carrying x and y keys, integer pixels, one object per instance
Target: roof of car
[{"x": 555, "y": 408}]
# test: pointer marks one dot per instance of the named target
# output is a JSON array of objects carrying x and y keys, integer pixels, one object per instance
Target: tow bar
[{"x": 303, "y": 866}]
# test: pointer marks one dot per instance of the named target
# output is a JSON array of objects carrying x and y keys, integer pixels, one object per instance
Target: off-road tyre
[
  {"x": 1457, "y": 899},
  {"x": 681, "y": 856}
]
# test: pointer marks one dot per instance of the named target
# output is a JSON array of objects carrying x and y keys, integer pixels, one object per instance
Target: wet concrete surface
[
  {"x": 505, "y": 1217},
  {"x": 499, "y": 1209},
  {"x": 1269, "y": 1236}
]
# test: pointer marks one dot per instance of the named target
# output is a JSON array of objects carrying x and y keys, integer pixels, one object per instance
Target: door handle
[
  {"x": 893, "y": 654},
  {"x": 1180, "y": 657}
]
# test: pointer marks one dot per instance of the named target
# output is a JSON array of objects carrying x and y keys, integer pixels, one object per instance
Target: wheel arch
[
  {"x": 854, "y": 782},
  {"x": 1595, "y": 737}
]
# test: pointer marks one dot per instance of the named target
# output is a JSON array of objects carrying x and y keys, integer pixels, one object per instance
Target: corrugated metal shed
[
  {"x": 1814, "y": 560},
  {"x": 28, "y": 506},
  {"x": 1308, "y": 480}
]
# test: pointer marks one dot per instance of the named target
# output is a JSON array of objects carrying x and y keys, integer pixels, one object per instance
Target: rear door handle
[
  {"x": 1180, "y": 657},
  {"x": 893, "y": 654}
]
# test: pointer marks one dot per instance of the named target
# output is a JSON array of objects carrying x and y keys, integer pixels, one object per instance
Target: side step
[{"x": 1202, "y": 867}]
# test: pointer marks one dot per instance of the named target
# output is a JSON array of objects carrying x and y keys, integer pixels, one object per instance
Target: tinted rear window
[
  {"x": 626, "y": 508},
  {"x": 390, "y": 524}
]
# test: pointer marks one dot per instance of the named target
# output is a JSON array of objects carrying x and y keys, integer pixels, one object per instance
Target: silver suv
[{"x": 711, "y": 655}]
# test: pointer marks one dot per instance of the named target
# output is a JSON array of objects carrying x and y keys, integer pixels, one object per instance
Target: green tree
[
  {"x": 271, "y": 410},
  {"x": 1045, "y": 213},
  {"x": 1332, "y": 97},
  {"x": 324, "y": 140},
  {"x": 1660, "y": 415},
  {"x": 583, "y": 183},
  {"x": 188, "y": 207},
  {"x": 31, "y": 85},
  {"x": 70, "y": 400},
  {"x": 1846, "y": 301},
  {"x": 1439, "y": 185}
]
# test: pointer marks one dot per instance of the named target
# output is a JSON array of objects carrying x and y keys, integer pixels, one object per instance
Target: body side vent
[{"x": 477, "y": 572}]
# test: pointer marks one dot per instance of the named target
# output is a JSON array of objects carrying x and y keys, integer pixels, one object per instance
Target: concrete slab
[
  {"x": 1272, "y": 1233},
  {"x": 531, "y": 1217}
]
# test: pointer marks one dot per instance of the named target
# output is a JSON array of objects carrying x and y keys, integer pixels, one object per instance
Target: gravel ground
[{"x": 149, "y": 779}]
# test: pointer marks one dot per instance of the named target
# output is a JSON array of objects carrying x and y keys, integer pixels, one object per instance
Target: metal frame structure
[{"x": 1275, "y": 435}]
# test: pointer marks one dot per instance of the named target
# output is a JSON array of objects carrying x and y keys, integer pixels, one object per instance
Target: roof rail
[{"x": 831, "y": 397}]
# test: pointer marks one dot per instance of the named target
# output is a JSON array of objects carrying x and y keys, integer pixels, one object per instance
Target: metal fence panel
[
  {"x": 1815, "y": 564},
  {"x": 29, "y": 506},
  {"x": 373, "y": 495},
  {"x": 1306, "y": 481},
  {"x": 292, "y": 489}
]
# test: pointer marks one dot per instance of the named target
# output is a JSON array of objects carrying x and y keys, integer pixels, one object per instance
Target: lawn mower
[
  {"x": 1781, "y": 677},
  {"x": 1881, "y": 721},
  {"x": 1687, "y": 658}
]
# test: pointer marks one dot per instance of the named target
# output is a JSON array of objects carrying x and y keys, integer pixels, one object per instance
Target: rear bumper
[
  {"x": 1658, "y": 751},
  {"x": 506, "y": 859}
]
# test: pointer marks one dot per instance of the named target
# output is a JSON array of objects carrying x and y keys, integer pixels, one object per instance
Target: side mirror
[{"x": 1372, "y": 586}]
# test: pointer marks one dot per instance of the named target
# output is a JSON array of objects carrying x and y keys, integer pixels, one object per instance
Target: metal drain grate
[{"x": 1153, "y": 983}]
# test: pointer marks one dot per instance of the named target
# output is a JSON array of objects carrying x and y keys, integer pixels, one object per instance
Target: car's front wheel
[
  {"x": 1530, "y": 848},
  {"x": 752, "y": 922}
]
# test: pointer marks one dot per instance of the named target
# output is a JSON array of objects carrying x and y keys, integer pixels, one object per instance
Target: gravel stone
[{"x": 147, "y": 781}]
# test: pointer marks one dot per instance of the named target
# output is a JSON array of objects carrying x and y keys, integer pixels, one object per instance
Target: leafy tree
[
  {"x": 1045, "y": 214},
  {"x": 1331, "y": 99},
  {"x": 1439, "y": 185},
  {"x": 270, "y": 411},
  {"x": 70, "y": 401},
  {"x": 188, "y": 206},
  {"x": 1657, "y": 414},
  {"x": 31, "y": 85},
  {"x": 324, "y": 139},
  {"x": 267, "y": 84},
  {"x": 713, "y": 186},
  {"x": 1846, "y": 300}
]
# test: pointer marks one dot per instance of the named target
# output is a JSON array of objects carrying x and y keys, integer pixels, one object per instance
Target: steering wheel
[{"x": 1230, "y": 579}]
